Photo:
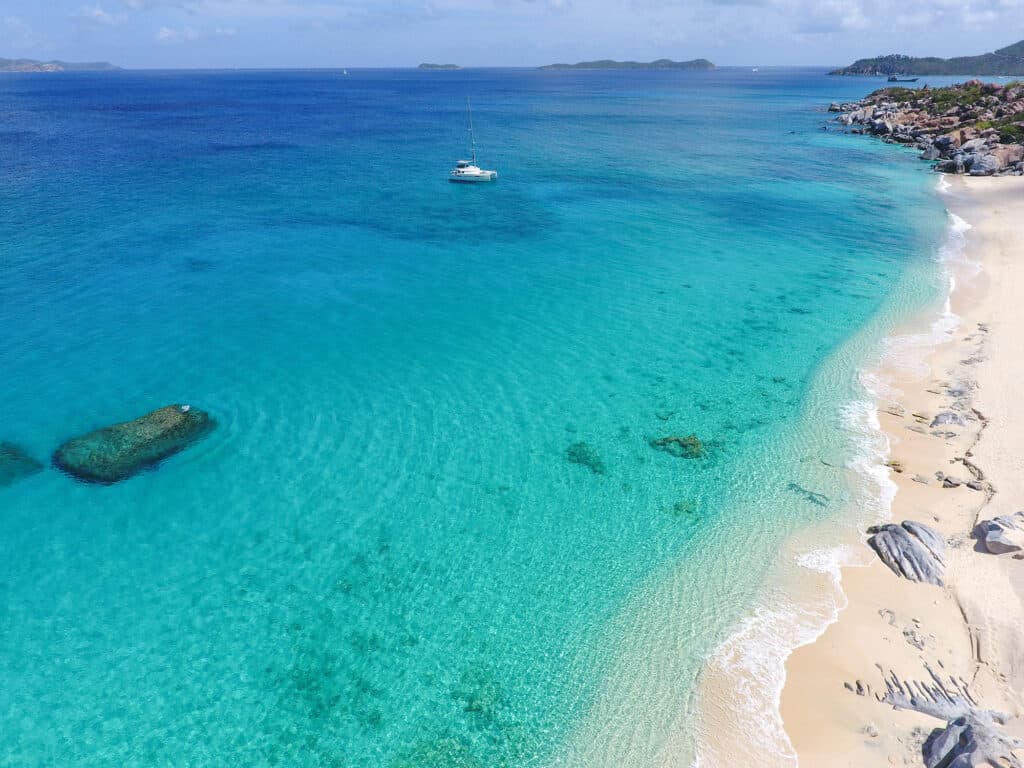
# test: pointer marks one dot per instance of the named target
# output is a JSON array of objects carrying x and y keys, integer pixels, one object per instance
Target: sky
[{"x": 380, "y": 33}]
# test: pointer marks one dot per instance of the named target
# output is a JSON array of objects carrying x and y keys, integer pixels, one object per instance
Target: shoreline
[
  {"x": 973, "y": 628},
  {"x": 782, "y": 690}
]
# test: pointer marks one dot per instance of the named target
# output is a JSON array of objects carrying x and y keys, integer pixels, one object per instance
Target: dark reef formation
[
  {"x": 15, "y": 464},
  {"x": 972, "y": 127},
  {"x": 582, "y": 454},
  {"x": 115, "y": 453},
  {"x": 688, "y": 447},
  {"x": 813, "y": 497}
]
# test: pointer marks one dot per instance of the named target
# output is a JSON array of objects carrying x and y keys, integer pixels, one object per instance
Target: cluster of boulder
[
  {"x": 916, "y": 552},
  {"x": 974, "y": 128},
  {"x": 972, "y": 736},
  {"x": 117, "y": 452}
]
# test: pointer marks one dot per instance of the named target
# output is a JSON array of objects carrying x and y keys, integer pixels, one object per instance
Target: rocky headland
[
  {"x": 974, "y": 127},
  {"x": 1004, "y": 61}
]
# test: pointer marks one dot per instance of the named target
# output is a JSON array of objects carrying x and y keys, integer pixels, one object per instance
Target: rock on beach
[
  {"x": 1002, "y": 534},
  {"x": 911, "y": 550},
  {"x": 117, "y": 452}
]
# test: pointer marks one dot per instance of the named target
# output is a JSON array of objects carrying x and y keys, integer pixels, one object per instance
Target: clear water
[{"x": 383, "y": 556}]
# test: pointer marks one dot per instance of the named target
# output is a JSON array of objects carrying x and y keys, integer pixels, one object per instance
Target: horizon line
[{"x": 415, "y": 67}]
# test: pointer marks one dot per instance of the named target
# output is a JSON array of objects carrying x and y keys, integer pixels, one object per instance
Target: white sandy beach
[
  {"x": 878, "y": 624},
  {"x": 973, "y": 628}
]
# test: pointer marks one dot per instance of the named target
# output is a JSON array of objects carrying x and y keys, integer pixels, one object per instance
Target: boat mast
[{"x": 472, "y": 139}]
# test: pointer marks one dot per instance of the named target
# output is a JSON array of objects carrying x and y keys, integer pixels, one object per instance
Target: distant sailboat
[{"x": 467, "y": 171}]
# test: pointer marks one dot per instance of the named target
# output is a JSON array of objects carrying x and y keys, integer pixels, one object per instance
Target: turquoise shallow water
[{"x": 384, "y": 556}]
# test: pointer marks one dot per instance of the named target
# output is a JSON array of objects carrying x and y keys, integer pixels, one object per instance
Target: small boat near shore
[
  {"x": 467, "y": 171},
  {"x": 897, "y": 79}
]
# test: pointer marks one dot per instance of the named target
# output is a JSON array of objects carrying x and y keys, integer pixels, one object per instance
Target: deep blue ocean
[{"x": 431, "y": 506}]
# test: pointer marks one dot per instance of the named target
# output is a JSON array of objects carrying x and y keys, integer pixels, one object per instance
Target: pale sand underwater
[{"x": 436, "y": 523}]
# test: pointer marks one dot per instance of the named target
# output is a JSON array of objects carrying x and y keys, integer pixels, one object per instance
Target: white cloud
[
  {"x": 188, "y": 34},
  {"x": 921, "y": 18},
  {"x": 18, "y": 37},
  {"x": 173, "y": 35},
  {"x": 981, "y": 17},
  {"x": 94, "y": 14},
  {"x": 528, "y": 31}
]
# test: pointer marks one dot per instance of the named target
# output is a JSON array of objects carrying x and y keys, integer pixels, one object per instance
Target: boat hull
[{"x": 474, "y": 178}]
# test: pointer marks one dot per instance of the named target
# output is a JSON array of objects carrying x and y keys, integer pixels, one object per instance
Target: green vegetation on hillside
[
  {"x": 1005, "y": 61},
  {"x": 31, "y": 65}
]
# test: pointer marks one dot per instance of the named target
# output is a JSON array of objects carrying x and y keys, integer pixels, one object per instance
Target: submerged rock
[
  {"x": 582, "y": 454},
  {"x": 444, "y": 752},
  {"x": 814, "y": 497},
  {"x": 115, "y": 453},
  {"x": 688, "y": 447},
  {"x": 1002, "y": 534},
  {"x": 911, "y": 550},
  {"x": 481, "y": 695},
  {"x": 15, "y": 464},
  {"x": 685, "y": 507}
]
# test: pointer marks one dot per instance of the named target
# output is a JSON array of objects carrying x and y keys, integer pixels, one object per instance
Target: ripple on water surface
[{"x": 431, "y": 528}]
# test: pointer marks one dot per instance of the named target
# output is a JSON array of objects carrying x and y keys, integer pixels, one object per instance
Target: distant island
[
  {"x": 31, "y": 65},
  {"x": 695, "y": 64},
  {"x": 441, "y": 67},
  {"x": 1005, "y": 61}
]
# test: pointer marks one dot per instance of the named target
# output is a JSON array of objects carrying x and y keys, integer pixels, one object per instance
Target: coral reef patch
[
  {"x": 15, "y": 464},
  {"x": 688, "y": 447},
  {"x": 583, "y": 454},
  {"x": 117, "y": 452}
]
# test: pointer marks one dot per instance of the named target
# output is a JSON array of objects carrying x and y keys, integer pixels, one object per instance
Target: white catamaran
[{"x": 467, "y": 171}]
